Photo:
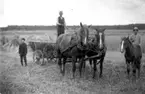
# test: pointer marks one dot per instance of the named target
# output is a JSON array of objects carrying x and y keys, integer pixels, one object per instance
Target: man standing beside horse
[{"x": 60, "y": 24}]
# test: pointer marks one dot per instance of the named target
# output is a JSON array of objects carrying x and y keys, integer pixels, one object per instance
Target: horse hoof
[
  {"x": 133, "y": 79},
  {"x": 73, "y": 77},
  {"x": 100, "y": 76},
  {"x": 80, "y": 75},
  {"x": 128, "y": 76},
  {"x": 63, "y": 73}
]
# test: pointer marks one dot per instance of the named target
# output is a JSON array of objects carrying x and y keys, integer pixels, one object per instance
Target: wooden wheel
[{"x": 37, "y": 56}]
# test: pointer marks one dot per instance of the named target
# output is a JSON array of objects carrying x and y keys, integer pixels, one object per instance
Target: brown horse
[
  {"x": 72, "y": 46},
  {"x": 132, "y": 55},
  {"x": 95, "y": 47}
]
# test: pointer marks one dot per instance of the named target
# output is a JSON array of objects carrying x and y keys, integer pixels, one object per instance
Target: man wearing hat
[
  {"x": 60, "y": 24},
  {"x": 135, "y": 37}
]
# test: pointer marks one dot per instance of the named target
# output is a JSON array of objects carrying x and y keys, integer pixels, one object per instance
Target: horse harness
[{"x": 77, "y": 44}]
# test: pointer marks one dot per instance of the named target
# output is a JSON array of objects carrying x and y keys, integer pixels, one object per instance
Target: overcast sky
[{"x": 95, "y": 12}]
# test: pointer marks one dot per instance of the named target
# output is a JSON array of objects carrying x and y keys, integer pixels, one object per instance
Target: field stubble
[{"x": 36, "y": 79}]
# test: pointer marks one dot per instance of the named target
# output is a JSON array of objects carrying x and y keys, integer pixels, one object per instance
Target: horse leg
[
  {"x": 134, "y": 68},
  {"x": 84, "y": 65},
  {"x": 101, "y": 66},
  {"x": 73, "y": 66},
  {"x": 47, "y": 59},
  {"x": 128, "y": 68},
  {"x": 95, "y": 68},
  {"x": 59, "y": 64},
  {"x": 63, "y": 66},
  {"x": 33, "y": 56},
  {"x": 90, "y": 61},
  {"x": 59, "y": 57},
  {"x": 81, "y": 65},
  {"x": 42, "y": 60},
  {"x": 139, "y": 71},
  {"x": 138, "y": 67}
]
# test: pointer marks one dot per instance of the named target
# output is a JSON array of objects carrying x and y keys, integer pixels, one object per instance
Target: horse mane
[
  {"x": 130, "y": 46},
  {"x": 129, "y": 42}
]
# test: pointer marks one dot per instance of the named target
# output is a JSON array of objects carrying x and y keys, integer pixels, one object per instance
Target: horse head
[
  {"x": 125, "y": 42},
  {"x": 84, "y": 33},
  {"x": 100, "y": 37}
]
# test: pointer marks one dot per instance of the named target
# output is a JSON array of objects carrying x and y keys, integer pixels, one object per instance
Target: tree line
[{"x": 52, "y": 27}]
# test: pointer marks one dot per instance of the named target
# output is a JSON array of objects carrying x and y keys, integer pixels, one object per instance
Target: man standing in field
[
  {"x": 23, "y": 51},
  {"x": 60, "y": 24},
  {"x": 135, "y": 37}
]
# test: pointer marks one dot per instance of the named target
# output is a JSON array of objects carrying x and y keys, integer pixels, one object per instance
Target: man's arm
[
  {"x": 57, "y": 22},
  {"x": 26, "y": 49},
  {"x": 19, "y": 49},
  {"x": 139, "y": 40},
  {"x": 64, "y": 23}
]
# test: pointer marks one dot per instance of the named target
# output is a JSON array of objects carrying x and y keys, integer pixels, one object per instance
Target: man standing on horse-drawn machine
[{"x": 60, "y": 24}]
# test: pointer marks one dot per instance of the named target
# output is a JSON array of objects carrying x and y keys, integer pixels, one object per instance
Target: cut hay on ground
[
  {"x": 35, "y": 79},
  {"x": 3, "y": 40},
  {"x": 13, "y": 44}
]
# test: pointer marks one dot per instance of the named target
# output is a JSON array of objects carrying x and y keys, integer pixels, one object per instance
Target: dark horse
[
  {"x": 96, "y": 47},
  {"x": 72, "y": 46},
  {"x": 132, "y": 55}
]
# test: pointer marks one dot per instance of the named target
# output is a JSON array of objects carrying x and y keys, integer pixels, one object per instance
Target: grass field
[
  {"x": 36, "y": 79},
  {"x": 46, "y": 79},
  {"x": 113, "y": 37}
]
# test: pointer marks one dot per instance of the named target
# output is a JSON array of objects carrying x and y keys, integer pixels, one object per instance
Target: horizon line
[{"x": 76, "y": 25}]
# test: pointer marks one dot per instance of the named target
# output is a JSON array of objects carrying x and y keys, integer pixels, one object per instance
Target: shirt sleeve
[
  {"x": 57, "y": 22},
  {"x": 139, "y": 39},
  {"x": 19, "y": 48},
  {"x": 26, "y": 49},
  {"x": 64, "y": 22}
]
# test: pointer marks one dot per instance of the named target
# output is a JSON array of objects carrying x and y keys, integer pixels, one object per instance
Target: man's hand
[{"x": 60, "y": 24}]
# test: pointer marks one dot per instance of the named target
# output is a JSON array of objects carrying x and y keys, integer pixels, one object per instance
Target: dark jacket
[
  {"x": 60, "y": 28},
  {"x": 23, "y": 49},
  {"x": 61, "y": 21}
]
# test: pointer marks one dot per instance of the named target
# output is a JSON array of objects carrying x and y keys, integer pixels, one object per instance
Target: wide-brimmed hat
[{"x": 135, "y": 28}]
